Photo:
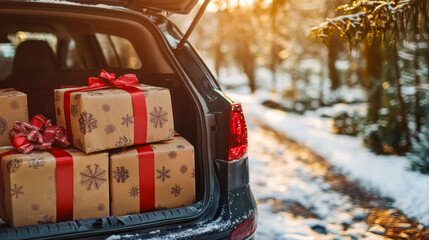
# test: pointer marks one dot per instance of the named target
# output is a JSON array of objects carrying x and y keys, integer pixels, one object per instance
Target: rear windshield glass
[
  {"x": 8, "y": 47},
  {"x": 117, "y": 52}
]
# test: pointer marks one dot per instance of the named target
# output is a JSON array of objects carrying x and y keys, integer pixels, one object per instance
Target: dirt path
[{"x": 376, "y": 211}]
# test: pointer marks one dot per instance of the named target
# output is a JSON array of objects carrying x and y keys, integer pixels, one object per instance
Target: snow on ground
[
  {"x": 389, "y": 175},
  {"x": 277, "y": 175}
]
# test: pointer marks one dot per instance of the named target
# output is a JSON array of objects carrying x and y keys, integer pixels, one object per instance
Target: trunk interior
[{"x": 64, "y": 49}]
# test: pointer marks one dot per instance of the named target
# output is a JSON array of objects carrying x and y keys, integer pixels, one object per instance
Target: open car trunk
[{"x": 119, "y": 41}]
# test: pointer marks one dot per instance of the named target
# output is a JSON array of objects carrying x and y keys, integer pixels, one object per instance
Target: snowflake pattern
[
  {"x": 51, "y": 195},
  {"x": 15, "y": 191},
  {"x": 79, "y": 143},
  {"x": 158, "y": 117},
  {"x": 73, "y": 110},
  {"x": 109, "y": 129},
  {"x": 183, "y": 169},
  {"x": 36, "y": 163},
  {"x": 14, "y": 105},
  {"x": 87, "y": 122},
  {"x": 134, "y": 192},
  {"x": 92, "y": 178},
  {"x": 123, "y": 142},
  {"x": 105, "y": 107},
  {"x": 76, "y": 200},
  {"x": 150, "y": 139},
  {"x": 57, "y": 97},
  {"x": 163, "y": 174},
  {"x": 172, "y": 154},
  {"x": 35, "y": 207},
  {"x": 101, "y": 207},
  {"x": 171, "y": 132},
  {"x": 77, "y": 96},
  {"x": 176, "y": 190},
  {"x": 59, "y": 111},
  {"x": 181, "y": 147},
  {"x": 72, "y": 150},
  {"x": 46, "y": 220},
  {"x": 127, "y": 120},
  {"x": 160, "y": 207},
  {"x": 121, "y": 174},
  {"x": 95, "y": 93},
  {"x": 193, "y": 173},
  {"x": 3, "y": 126},
  {"x": 13, "y": 165}
]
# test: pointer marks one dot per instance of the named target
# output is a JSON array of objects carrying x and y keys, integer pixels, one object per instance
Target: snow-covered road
[
  {"x": 387, "y": 175},
  {"x": 284, "y": 185}
]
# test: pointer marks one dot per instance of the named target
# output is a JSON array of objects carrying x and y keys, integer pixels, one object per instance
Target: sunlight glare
[{"x": 213, "y": 7}]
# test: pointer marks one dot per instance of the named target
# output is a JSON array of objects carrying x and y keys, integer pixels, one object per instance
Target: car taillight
[
  {"x": 237, "y": 133},
  {"x": 245, "y": 228}
]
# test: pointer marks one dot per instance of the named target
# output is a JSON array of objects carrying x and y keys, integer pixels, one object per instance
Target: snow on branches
[{"x": 366, "y": 20}]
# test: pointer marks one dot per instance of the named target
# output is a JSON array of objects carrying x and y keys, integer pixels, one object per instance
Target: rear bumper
[{"x": 219, "y": 227}]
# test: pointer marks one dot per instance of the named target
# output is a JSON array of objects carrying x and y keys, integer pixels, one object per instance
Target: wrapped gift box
[
  {"x": 53, "y": 186},
  {"x": 13, "y": 107},
  {"x": 106, "y": 119},
  {"x": 152, "y": 177}
]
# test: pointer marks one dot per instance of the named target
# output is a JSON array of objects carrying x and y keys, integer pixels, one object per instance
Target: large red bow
[
  {"x": 39, "y": 134},
  {"x": 108, "y": 79}
]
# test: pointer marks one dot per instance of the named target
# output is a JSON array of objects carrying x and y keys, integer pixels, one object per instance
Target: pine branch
[{"x": 373, "y": 20}]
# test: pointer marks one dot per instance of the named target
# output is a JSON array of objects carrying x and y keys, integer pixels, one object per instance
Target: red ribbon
[
  {"x": 146, "y": 178},
  {"x": 108, "y": 79},
  {"x": 39, "y": 134},
  {"x": 126, "y": 83},
  {"x": 2, "y": 189},
  {"x": 64, "y": 180}
]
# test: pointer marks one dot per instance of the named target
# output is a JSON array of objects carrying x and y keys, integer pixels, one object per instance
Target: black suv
[{"x": 45, "y": 45}]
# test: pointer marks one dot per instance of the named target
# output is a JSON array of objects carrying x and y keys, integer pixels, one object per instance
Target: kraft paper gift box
[
  {"x": 13, "y": 107},
  {"x": 152, "y": 177},
  {"x": 53, "y": 186},
  {"x": 106, "y": 118}
]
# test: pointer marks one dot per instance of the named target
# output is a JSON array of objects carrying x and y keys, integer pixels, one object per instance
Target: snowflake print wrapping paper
[
  {"x": 13, "y": 107},
  {"x": 170, "y": 172},
  {"x": 104, "y": 119},
  {"x": 30, "y": 186}
]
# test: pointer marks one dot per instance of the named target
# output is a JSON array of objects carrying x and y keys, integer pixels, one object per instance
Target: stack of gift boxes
[{"x": 125, "y": 157}]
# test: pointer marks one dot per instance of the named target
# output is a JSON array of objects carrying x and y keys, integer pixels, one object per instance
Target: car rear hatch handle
[{"x": 193, "y": 24}]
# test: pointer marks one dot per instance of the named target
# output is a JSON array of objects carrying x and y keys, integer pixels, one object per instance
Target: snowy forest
[{"x": 362, "y": 63}]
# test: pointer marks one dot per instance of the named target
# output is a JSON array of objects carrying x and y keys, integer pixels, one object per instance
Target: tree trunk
[
  {"x": 219, "y": 57},
  {"x": 273, "y": 52},
  {"x": 322, "y": 79},
  {"x": 247, "y": 59},
  {"x": 372, "y": 79},
  {"x": 417, "y": 114},
  {"x": 402, "y": 107},
  {"x": 332, "y": 58},
  {"x": 249, "y": 70}
]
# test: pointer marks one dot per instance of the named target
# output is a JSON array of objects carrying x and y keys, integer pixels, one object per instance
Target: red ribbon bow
[
  {"x": 39, "y": 134},
  {"x": 106, "y": 79},
  {"x": 127, "y": 83}
]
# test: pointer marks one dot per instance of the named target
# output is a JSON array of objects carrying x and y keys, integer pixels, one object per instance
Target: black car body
[{"x": 225, "y": 206}]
